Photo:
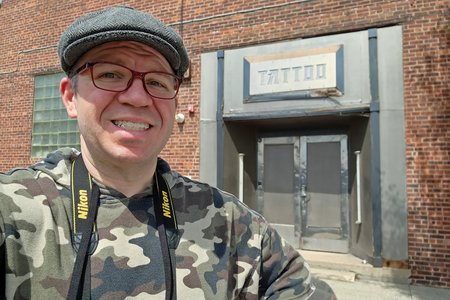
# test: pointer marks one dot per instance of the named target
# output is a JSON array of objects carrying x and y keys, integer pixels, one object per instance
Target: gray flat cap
[{"x": 121, "y": 23}]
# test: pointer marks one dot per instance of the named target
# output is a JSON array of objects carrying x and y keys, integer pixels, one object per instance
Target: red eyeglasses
[{"x": 117, "y": 78}]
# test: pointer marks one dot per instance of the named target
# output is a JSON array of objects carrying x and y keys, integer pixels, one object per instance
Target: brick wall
[
  {"x": 30, "y": 30},
  {"x": 427, "y": 111}
]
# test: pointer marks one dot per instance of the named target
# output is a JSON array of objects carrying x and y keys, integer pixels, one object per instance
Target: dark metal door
[
  {"x": 324, "y": 193},
  {"x": 278, "y": 185},
  {"x": 302, "y": 190}
]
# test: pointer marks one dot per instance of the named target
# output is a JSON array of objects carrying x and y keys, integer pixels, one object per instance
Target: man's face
[{"x": 121, "y": 127}]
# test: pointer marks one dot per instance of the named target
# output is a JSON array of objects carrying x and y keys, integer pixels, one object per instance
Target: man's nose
[{"x": 136, "y": 94}]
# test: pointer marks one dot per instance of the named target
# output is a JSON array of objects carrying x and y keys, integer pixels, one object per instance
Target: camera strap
[
  {"x": 85, "y": 198},
  {"x": 85, "y": 201}
]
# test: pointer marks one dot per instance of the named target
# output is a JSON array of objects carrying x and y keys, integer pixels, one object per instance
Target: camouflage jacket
[{"x": 226, "y": 250}]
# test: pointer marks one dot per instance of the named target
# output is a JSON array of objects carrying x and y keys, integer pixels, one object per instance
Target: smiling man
[
  {"x": 113, "y": 221},
  {"x": 124, "y": 101}
]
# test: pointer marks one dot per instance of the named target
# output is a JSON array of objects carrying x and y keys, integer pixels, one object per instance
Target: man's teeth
[{"x": 131, "y": 125}]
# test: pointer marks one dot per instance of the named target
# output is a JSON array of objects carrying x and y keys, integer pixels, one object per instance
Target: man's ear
[{"x": 68, "y": 97}]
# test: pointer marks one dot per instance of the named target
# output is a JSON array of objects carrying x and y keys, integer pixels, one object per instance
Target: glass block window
[{"x": 52, "y": 128}]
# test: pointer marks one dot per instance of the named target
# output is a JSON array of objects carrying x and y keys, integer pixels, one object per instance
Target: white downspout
[
  {"x": 241, "y": 177},
  {"x": 358, "y": 187}
]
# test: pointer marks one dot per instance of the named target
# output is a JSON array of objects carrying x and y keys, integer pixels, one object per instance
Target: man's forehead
[
  {"x": 118, "y": 46},
  {"x": 124, "y": 48}
]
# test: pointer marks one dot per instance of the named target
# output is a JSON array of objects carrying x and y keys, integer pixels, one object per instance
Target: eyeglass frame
[{"x": 134, "y": 74}]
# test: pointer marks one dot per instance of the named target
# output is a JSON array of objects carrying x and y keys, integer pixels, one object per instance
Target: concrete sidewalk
[
  {"x": 378, "y": 290},
  {"x": 351, "y": 278}
]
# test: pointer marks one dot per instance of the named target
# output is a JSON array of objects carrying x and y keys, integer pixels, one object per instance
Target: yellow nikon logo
[
  {"x": 166, "y": 205},
  {"x": 83, "y": 205}
]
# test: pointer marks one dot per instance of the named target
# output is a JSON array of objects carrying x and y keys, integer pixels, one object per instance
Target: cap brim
[{"x": 81, "y": 46}]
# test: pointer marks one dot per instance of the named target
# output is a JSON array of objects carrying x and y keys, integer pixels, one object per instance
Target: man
[{"x": 115, "y": 222}]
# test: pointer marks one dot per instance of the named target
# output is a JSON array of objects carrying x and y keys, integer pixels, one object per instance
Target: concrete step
[
  {"x": 333, "y": 274},
  {"x": 347, "y": 267}
]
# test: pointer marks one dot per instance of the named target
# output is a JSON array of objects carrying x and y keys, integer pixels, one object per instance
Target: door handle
[
  {"x": 304, "y": 195},
  {"x": 303, "y": 191}
]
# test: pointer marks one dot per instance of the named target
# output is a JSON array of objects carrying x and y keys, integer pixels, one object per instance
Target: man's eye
[
  {"x": 155, "y": 84},
  {"x": 109, "y": 75}
]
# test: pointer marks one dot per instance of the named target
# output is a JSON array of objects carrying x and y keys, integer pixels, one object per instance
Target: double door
[{"x": 303, "y": 190}]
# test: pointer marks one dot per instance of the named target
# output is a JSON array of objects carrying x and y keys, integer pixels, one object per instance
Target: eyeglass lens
[{"x": 117, "y": 78}]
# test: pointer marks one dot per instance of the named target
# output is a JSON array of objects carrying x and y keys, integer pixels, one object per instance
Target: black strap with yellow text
[{"x": 85, "y": 198}]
